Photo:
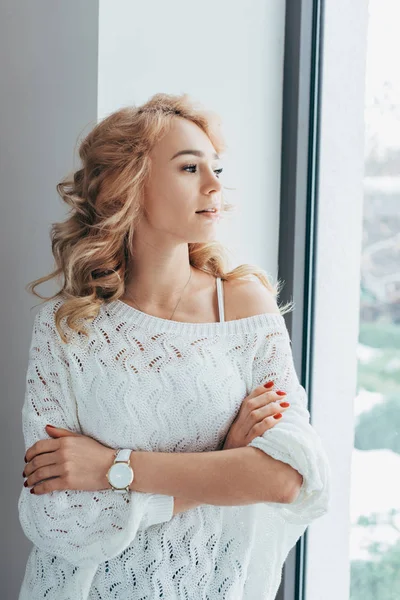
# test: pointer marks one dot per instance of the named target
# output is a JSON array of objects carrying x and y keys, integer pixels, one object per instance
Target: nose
[{"x": 211, "y": 184}]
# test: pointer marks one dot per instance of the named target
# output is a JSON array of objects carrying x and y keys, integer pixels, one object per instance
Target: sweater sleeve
[
  {"x": 83, "y": 527},
  {"x": 292, "y": 440}
]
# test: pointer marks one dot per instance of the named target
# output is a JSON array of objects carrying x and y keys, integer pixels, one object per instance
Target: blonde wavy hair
[{"x": 91, "y": 247}]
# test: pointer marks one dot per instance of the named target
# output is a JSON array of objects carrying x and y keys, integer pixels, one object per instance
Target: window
[{"x": 375, "y": 480}]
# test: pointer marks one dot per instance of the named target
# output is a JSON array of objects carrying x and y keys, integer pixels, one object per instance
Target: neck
[{"x": 160, "y": 287}]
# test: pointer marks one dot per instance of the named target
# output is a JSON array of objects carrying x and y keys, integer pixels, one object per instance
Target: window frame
[{"x": 302, "y": 76}]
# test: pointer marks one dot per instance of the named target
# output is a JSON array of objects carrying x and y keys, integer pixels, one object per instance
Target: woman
[{"x": 162, "y": 460}]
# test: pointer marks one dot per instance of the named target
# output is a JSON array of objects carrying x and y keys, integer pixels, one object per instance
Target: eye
[{"x": 216, "y": 171}]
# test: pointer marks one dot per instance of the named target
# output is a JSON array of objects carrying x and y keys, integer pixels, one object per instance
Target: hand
[
  {"x": 73, "y": 460},
  {"x": 255, "y": 416}
]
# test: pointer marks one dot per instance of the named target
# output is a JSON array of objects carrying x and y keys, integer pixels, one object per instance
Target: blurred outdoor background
[{"x": 375, "y": 491}]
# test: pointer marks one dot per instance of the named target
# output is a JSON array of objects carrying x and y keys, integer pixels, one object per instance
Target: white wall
[
  {"x": 48, "y": 64},
  {"x": 229, "y": 56}
]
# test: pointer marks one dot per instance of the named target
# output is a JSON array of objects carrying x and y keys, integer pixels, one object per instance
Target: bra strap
[{"x": 220, "y": 294}]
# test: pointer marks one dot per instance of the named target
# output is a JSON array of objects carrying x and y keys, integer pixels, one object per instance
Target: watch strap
[{"x": 123, "y": 455}]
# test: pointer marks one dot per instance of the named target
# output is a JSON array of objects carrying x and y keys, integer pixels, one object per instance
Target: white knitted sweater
[{"x": 151, "y": 384}]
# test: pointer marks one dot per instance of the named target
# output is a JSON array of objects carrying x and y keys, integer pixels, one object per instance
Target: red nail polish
[
  {"x": 25, "y": 484},
  {"x": 25, "y": 459},
  {"x": 284, "y": 404},
  {"x": 23, "y": 474},
  {"x": 269, "y": 384},
  {"x": 32, "y": 490},
  {"x": 52, "y": 426},
  {"x": 281, "y": 393},
  {"x": 277, "y": 416}
]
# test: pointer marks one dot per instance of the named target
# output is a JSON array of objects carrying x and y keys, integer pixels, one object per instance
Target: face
[{"x": 181, "y": 185}]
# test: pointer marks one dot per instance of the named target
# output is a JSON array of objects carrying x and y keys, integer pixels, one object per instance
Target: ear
[{"x": 58, "y": 432}]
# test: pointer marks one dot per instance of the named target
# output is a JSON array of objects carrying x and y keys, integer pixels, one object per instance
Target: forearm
[
  {"x": 224, "y": 478},
  {"x": 184, "y": 504}
]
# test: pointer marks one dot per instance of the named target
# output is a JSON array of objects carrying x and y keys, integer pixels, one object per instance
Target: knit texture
[{"x": 151, "y": 384}]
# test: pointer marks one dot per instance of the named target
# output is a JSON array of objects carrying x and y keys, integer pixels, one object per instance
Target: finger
[
  {"x": 50, "y": 485},
  {"x": 261, "y": 427},
  {"x": 41, "y": 446},
  {"x": 260, "y": 407},
  {"x": 261, "y": 389},
  {"x": 43, "y": 473},
  {"x": 269, "y": 410},
  {"x": 263, "y": 399},
  {"x": 40, "y": 460},
  {"x": 60, "y": 432}
]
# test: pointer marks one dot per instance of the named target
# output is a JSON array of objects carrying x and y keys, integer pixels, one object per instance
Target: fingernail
[
  {"x": 281, "y": 393},
  {"x": 52, "y": 426},
  {"x": 269, "y": 384},
  {"x": 23, "y": 474},
  {"x": 32, "y": 490},
  {"x": 25, "y": 459},
  {"x": 277, "y": 416},
  {"x": 25, "y": 484},
  {"x": 284, "y": 404}
]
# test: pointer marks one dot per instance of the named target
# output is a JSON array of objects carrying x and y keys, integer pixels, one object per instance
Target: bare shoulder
[{"x": 247, "y": 298}]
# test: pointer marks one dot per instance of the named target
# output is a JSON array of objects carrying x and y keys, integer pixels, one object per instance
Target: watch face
[{"x": 120, "y": 475}]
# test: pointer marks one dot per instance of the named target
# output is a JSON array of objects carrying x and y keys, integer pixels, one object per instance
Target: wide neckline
[{"x": 120, "y": 310}]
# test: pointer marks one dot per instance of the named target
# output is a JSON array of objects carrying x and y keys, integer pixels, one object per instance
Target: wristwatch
[{"x": 120, "y": 475}]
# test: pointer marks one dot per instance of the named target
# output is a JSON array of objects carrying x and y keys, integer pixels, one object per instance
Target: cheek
[
  {"x": 170, "y": 195},
  {"x": 169, "y": 211}
]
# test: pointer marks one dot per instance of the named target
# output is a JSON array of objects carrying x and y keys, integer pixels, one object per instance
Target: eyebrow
[{"x": 195, "y": 152}]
